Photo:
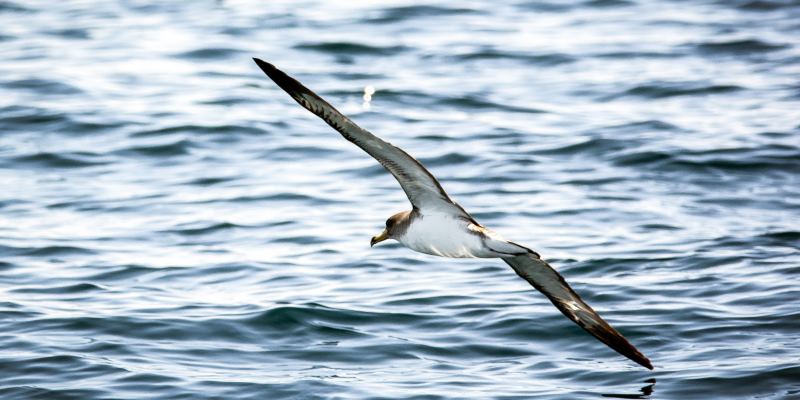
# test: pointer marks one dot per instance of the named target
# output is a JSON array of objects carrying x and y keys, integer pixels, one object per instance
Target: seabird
[{"x": 439, "y": 226}]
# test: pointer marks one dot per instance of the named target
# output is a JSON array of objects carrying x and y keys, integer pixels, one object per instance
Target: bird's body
[
  {"x": 438, "y": 226},
  {"x": 448, "y": 235},
  {"x": 442, "y": 234}
]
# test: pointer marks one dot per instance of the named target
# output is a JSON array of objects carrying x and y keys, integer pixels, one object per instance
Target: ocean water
[{"x": 173, "y": 226}]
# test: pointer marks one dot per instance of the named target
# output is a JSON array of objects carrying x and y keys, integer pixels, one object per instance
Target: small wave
[
  {"x": 355, "y": 76},
  {"x": 58, "y": 251},
  {"x": 127, "y": 272},
  {"x": 68, "y": 289},
  {"x": 608, "y": 3},
  {"x": 588, "y": 146},
  {"x": 545, "y": 6},
  {"x": 472, "y": 351},
  {"x": 643, "y": 126},
  {"x": 227, "y": 101},
  {"x": 641, "y": 158},
  {"x": 397, "y": 14},
  {"x": 200, "y": 130},
  {"x": 774, "y": 157},
  {"x": 293, "y": 151},
  {"x": 535, "y": 59},
  {"x": 8, "y": 308},
  {"x": 212, "y": 53},
  {"x": 43, "y": 86},
  {"x": 780, "y": 238},
  {"x": 127, "y": 203},
  {"x": 44, "y": 365},
  {"x": 437, "y": 138},
  {"x": 128, "y": 327},
  {"x": 23, "y": 119},
  {"x": 11, "y": 7},
  {"x": 60, "y": 160},
  {"x": 421, "y": 299},
  {"x": 475, "y": 102},
  {"x": 33, "y": 392},
  {"x": 285, "y": 196},
  {"x": 783, "y": 235},
  {"x": 350, "y": 48},
  {"x": 761, "y": 5},
  {"x": 177, "y": 148},
  {"x": 45, "y": 251},
  {"x": 519, "y": 327},
  {"x": 631, "y": 54},
  {"x": 448, "y": 159},
  {"x": 210, "y": 181},
  {"x": 217, "y": 274},
  {"x": 25, "y": 115},
  {"x": 26, "y": 118},
  {"x": 298, "y": 316},
  {"x": 304, "y": 321},
  {"x": 658, "y": 227},
  {"x": 204, "y": 230},
  {"x": 302, "y": 239},
  {"x": 147, "y": 378},
  {"x": 770, "y": 381},
  {"x": 745, "y": 46},
  {"x": 607, "y": 266},
  {"x": 71, "y": 33},
  {"x": 748, "y": 160},
  {"x": 599, "y": 181},
  {"x": 664, "y": 90}
]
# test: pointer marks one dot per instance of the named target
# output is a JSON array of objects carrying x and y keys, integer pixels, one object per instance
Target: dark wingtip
[
  {"x": 618, "y": 342},
  {"x": 628, "y": 350},
  {"x": 637, "y": 357},
  {"x": 269, "y": 69},
  {"x": 287, "y": 83},
  {"x": 263, "y": 64}
]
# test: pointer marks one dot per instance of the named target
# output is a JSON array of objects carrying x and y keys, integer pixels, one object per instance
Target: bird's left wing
[
  {"x": 420, "y": 186},
  {"x": 548, "y": 281}
]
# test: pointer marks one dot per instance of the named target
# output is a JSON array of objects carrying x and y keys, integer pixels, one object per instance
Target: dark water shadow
[{"x": 646, "y": 391}]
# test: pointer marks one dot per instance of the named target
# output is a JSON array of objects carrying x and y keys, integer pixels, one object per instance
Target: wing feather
[
  {"x": 548, "y": 281},
  {"x": 420, "y": 186}
]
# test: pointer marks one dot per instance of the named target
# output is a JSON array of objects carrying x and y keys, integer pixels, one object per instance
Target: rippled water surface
[{"x": 173, "y": 226}]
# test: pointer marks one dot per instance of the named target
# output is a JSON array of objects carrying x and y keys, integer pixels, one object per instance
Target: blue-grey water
[{"x": 173, "y": 226}]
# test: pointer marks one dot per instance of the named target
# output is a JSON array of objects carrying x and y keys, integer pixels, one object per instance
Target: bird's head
[{"x": 396, "y": 226}]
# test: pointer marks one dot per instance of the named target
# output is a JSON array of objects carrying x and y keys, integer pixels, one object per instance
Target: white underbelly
[{"x": 443, "y": 235}]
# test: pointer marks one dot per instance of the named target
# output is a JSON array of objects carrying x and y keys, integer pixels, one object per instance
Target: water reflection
[
  {"x": 646, "y": 391},
  {"x": 369, "y": 90}
]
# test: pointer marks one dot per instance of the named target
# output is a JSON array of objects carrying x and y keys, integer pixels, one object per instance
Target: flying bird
[{"x": 437, "y": 225}]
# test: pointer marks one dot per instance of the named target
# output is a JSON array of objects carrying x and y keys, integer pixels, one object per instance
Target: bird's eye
[{"x": 389, "y": 223}]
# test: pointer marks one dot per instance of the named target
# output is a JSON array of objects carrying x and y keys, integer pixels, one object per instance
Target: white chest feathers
[{"x": 446, "y": 236}]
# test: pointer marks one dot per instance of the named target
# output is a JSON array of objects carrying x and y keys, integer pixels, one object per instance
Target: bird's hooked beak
[{"x": 381, "y": 237}]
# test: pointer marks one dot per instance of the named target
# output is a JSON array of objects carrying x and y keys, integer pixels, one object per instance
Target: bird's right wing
[
  {"x": 548, "y": 281},
  {"x": 421, "y": 188}
]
